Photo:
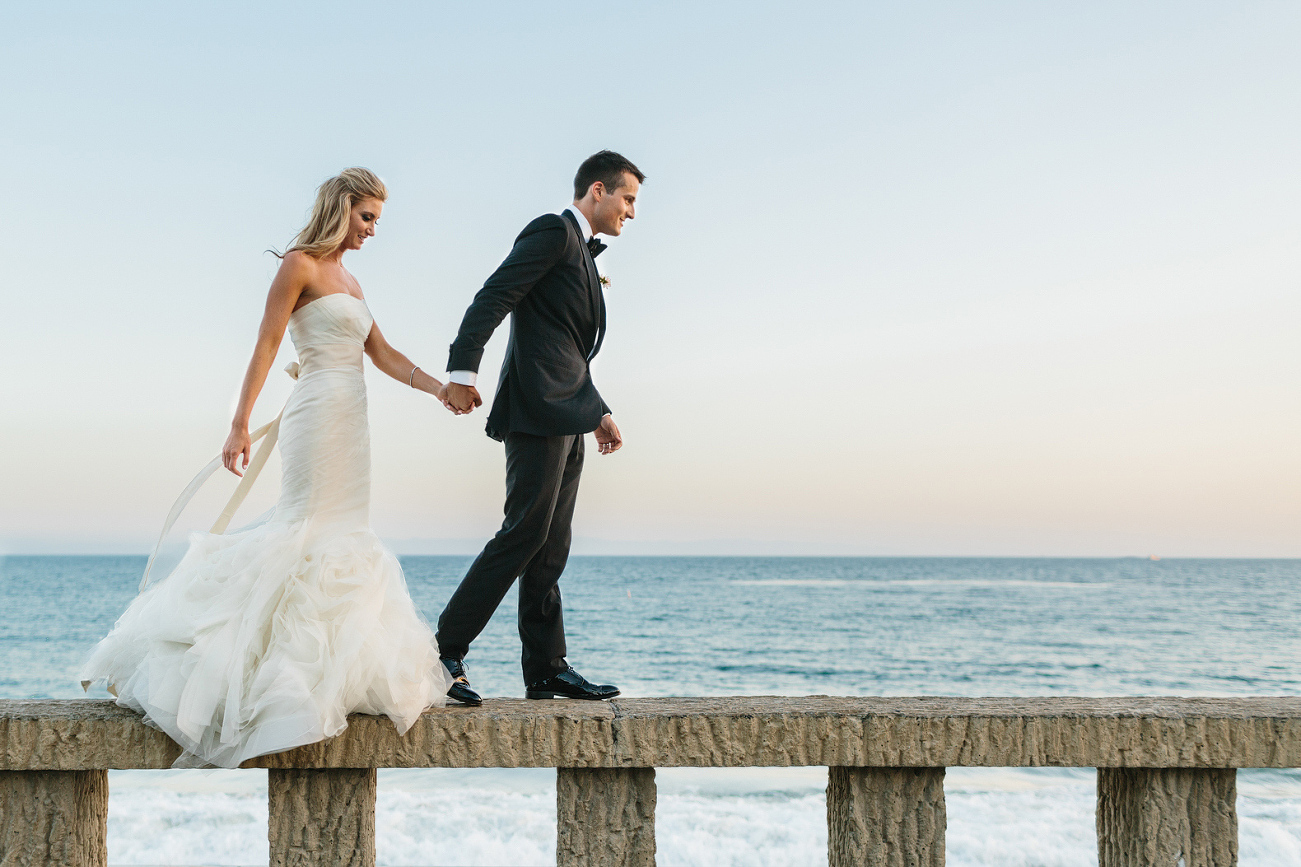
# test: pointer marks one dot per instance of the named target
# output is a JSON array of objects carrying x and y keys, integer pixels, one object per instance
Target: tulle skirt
[{"x": 267, "y": 638}]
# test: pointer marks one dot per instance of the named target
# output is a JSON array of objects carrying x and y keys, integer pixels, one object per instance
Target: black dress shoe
[
  {"x": 569, "y": 684},
  {"x": 460, "y": 689}
]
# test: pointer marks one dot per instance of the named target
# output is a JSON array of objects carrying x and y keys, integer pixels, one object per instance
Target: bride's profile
[{"x": 266, "y": 638}]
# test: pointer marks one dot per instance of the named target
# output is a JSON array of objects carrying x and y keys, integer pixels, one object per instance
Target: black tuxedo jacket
[{"x": 550, "y": 285}]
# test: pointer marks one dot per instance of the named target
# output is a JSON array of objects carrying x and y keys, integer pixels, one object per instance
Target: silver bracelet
[{"x": 412, "y": 380}]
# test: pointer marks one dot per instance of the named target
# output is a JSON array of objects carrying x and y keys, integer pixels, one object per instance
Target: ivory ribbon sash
[{"x": 269, "y": 433}]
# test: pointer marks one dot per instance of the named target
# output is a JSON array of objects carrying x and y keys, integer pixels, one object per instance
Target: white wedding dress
[{"x": 267, "y": 638}]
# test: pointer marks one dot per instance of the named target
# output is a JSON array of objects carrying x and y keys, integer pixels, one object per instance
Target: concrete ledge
[
  {"x": 762, "y": 731},
  {"x": 504, "y": 733},
  {"x": 955, "y": 732}
]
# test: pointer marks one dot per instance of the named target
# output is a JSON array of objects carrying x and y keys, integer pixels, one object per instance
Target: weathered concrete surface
[
  {"x": 605, "y": 817},
  {"x": 321, "y": 818},
  {"x": 504, "y": 733},
  {"x": 718, "y": 732},
  {"x": 1168, "y": 816},
  {"x": 79, "y": 734},
  {"x": 53, "y": 818},
  {"x": 952, "y": 732},
  {"x": 885, "y": 817}
]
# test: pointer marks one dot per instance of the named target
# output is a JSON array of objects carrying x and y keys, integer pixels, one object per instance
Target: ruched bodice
[
  {"x": 324, "y": 436},
  {"x": 330, "y": 333},
  {"x": 266, "y": 638}
]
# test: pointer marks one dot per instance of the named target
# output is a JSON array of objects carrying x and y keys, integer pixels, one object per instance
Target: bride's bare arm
[
  {"x": 395, "y": 364},
  {"x": 288, "y": 285}
]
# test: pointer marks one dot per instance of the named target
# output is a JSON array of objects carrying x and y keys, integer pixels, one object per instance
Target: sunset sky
[{"x": 1014, "y": 278}]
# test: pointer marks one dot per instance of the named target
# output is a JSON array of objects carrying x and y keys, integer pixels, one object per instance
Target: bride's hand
[
  {"x": 238, "y": 443},
  {"x": 441, "y": 394}
]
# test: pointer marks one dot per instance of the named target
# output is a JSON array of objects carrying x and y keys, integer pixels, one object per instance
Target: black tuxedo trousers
[{"x": 542, "y": 474}]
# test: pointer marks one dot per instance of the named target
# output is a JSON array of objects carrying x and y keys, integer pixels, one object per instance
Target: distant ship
[{"x": 1154, "y": 558}]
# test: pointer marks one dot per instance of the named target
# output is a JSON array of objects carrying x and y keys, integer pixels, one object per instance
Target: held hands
[
  {"x": 441, "y": 394},
  {"x": 238, "y": 443},
  {"x": 426, "y": 383},
  {"x": 607, "y": 436},
  {"x": 459, "y": 398}
]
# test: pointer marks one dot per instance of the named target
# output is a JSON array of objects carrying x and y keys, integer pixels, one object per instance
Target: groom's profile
[{"x": 545, "y": 404}]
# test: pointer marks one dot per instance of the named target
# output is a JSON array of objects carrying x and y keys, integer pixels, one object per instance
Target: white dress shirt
[
  {"x": 469, "y": 377},
  {"x": 585, "y": 228}
]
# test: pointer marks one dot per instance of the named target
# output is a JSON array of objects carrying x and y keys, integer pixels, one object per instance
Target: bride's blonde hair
[{"x": 328, "y": 225}]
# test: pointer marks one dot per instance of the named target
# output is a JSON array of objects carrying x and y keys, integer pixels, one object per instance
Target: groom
[{"x": 545, "y": 404}]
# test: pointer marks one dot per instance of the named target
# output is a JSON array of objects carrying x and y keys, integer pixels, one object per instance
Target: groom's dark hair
[{"x": 607, "y": 167}]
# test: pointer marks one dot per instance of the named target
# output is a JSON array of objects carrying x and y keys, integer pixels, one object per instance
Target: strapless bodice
[{"x": 330, "y": 333}]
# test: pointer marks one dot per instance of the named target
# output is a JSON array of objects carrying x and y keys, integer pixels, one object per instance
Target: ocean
[{"x": 749, "y": 626}]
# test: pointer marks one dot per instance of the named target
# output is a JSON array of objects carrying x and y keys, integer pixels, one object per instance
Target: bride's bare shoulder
[
  {"x": 297, "y": 269},
  {"x": 297, "y": 260},
  {"x": 297, "y": 273}
]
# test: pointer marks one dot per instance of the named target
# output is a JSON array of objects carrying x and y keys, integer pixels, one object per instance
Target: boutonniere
[{"x": 605, "y": 282}]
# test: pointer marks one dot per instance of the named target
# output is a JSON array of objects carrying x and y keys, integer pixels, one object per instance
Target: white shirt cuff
[{"x": 462, "y": 377}]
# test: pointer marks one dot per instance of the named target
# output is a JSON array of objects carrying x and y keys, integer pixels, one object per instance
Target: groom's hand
[
  {"x": 607, "y": 436},
  {"x": 462, "y": 398}
]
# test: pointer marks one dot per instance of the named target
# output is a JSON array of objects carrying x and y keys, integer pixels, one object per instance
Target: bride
[{"x": 267, "y": 638}]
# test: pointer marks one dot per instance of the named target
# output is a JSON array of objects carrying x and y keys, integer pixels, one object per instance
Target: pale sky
[{"x": 1000, "y": 278}]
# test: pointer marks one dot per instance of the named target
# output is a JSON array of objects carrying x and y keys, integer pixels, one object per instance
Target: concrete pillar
[
  {"x": 885, "y": 817},
  {"x": 1167, "y": 817},
  {"x": 605, "y": 817},
  {"x": 321, "y": 818},
  {"x": 54, "y": 818}
]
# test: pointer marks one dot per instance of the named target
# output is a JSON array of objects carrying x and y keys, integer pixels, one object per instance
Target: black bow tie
[{"x": 594, "y": 246}]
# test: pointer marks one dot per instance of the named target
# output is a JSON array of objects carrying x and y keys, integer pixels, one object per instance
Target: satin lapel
[
  {"x": 595, "y": 297},
  {"x": 598, "y": 306},
  {"x": 600, "y": 323}
]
